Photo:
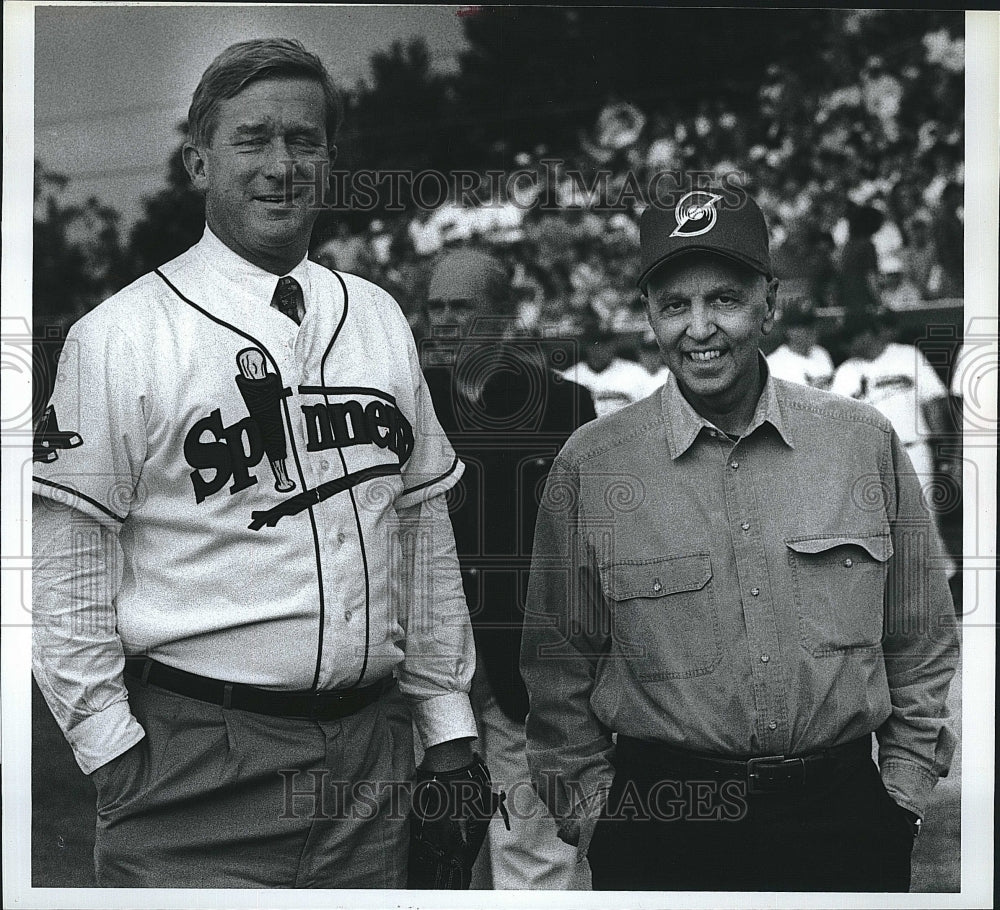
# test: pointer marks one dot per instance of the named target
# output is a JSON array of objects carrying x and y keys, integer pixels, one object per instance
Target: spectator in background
[
  {"x": 821, "y": 269},
  {"x": 897, "y": 380},
  {"x": 898, "y": 292},
  {"x": 918, "y": 255},
  {"x": 857, "y": 286},
  {"x": 507, "y": 415},
  {"x": 949, "y": 241},
  {"x": 613, "y": 381},
  {"x": 800, "y": 359},
  {"x": 342, "y": 252}
]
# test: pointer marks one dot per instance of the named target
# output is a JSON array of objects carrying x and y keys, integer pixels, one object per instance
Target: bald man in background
[{"x": 507, "y": 415}]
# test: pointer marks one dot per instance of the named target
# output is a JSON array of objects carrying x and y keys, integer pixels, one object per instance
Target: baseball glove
[{"x": 450, "y": 813}]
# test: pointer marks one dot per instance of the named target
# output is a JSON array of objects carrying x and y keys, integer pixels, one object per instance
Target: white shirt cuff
[
  {"x": 444, "y": 718},
  {"x": 104, "y": 736}
]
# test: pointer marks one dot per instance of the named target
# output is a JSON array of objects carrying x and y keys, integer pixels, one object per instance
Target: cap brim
[{"x": 724, "y": 254}]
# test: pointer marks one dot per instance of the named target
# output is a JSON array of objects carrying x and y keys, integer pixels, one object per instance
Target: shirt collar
[
  {"x": 256, "y": 283},
  {"x": 684, "y": 423}
]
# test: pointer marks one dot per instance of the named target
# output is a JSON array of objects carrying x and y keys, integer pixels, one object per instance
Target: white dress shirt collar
[{"x": 258, "y": 284}]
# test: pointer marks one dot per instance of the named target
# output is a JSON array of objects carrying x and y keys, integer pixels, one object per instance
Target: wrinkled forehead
[{"x": 274, "y": 104}]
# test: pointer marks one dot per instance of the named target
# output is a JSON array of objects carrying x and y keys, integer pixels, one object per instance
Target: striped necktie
[{"x": 288, "y": 299}]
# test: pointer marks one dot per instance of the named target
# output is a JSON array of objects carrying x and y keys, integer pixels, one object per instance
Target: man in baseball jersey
[
  {"x": 730, "y": 576},
  {"x": 897, "y": 380},
  {"x": 613, "y": 381},
  {"x": 800, "y": 359},
  {"x": 240, "y": 534}
]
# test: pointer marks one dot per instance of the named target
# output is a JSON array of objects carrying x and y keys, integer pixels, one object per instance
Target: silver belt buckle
[{"x": 758, "y": 781}]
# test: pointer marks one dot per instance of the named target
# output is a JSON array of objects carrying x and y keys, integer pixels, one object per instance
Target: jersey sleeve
[
  {"x": 823, "y": 357},
  {"x": 433, "y": 467},
  {"x": 90, "y": 443},
  {"x": 929, "y": 384},
  {"x": 845, "y": 380}
]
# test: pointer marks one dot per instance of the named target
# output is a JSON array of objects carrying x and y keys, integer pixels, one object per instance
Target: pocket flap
[
  {"x": 879, "y": 546},
  {"x": 656, "y": 577}
]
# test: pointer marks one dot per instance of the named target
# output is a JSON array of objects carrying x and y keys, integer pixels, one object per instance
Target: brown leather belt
[
  {"x": 763, "y": 774},
  {"x": 303, "y": 704}
]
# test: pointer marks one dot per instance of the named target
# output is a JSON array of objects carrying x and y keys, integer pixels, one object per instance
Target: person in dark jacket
[
  {"x": 857, "y": 287},
  {"x": 507, "y": 415}
]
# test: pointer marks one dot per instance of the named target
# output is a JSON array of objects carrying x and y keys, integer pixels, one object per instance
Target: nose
[
  {"x": 701, "y": 324},
  {"x": 278, "y": 160}
]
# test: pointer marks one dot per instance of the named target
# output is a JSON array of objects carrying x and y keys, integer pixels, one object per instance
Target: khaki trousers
[{"x": 221, "y": 798}]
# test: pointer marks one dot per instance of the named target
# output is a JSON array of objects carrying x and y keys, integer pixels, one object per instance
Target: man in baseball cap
[{"x": 710, "y": 641}]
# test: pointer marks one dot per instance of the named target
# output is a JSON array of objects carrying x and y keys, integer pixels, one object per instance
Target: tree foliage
[{"x": 536, "y": 78}]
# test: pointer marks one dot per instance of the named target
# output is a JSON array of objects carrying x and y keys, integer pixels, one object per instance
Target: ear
[
  {"x": 772, "y": 303},
  {"x": 195, "y": 165}
]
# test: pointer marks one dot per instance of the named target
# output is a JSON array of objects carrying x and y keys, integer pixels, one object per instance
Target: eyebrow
[
  {"x": 252, "y": 129},
  {"x": 714, "y": 291},
  {"x": 257, "y": 129}
]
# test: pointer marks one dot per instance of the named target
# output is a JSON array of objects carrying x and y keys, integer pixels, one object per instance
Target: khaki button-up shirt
[{"x": 778, "y": 594}]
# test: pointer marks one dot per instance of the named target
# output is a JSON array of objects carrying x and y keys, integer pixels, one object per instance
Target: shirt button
[
  {"x": 348, "y": 615},
  {"x": 341, "y": 538},
  {"x": 745, "y": 525},
  {"x": 324, "y": 465},
  {"x": 772, "y": 726},
  {"x": 734, "y": 465},
  {"x": 848, "y": 562},
  {"x": 764, "y": 658},
  {"x": 755, "y": 591},
  {"x": 657, "y": 586}
]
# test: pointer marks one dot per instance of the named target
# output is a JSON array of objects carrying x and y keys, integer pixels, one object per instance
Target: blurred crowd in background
[{"x": 846, "y": 126}]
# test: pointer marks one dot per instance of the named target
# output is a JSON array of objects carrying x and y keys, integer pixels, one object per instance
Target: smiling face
[
  {"x": 273, "y": 128},
  {"x": 709, "y": 316}
]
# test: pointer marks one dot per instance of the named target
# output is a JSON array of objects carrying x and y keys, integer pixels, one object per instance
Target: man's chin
[
  {"x": 697, "y": 383},
  {"x": 280, "y": 235}
]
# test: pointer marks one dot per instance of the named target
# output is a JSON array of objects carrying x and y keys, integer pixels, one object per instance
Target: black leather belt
[
  {"x": 763, "y": 774},
  {"x": 302, "y": 704}
]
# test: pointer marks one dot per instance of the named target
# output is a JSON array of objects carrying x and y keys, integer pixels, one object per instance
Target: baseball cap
[
  {"x": 702, "y": 221},
  {"x": 467, "y": 275}
]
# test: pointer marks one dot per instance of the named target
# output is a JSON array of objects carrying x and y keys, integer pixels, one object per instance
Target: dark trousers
[
  {"x": 670, "y": 830},
  {"x": 214, "y": 797}
]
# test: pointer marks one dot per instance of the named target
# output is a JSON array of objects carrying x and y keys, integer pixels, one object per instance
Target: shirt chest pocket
[
  {"x": 839, "y": 590},
  {"x": 665, "y": 620}
]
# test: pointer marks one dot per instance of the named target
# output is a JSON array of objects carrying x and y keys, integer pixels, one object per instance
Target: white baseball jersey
[
  {"x": 815, "y": 370},
  {"x": 254, "y": 469},
  {"x": 898, "y": 382},
  {"x": 620, "y": 384}
]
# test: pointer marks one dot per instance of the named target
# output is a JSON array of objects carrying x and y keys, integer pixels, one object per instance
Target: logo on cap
[{"x": 695, "y": 214}]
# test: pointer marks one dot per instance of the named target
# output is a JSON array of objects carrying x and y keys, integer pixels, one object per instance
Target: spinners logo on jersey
[{"x": 219, "y": 454}]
